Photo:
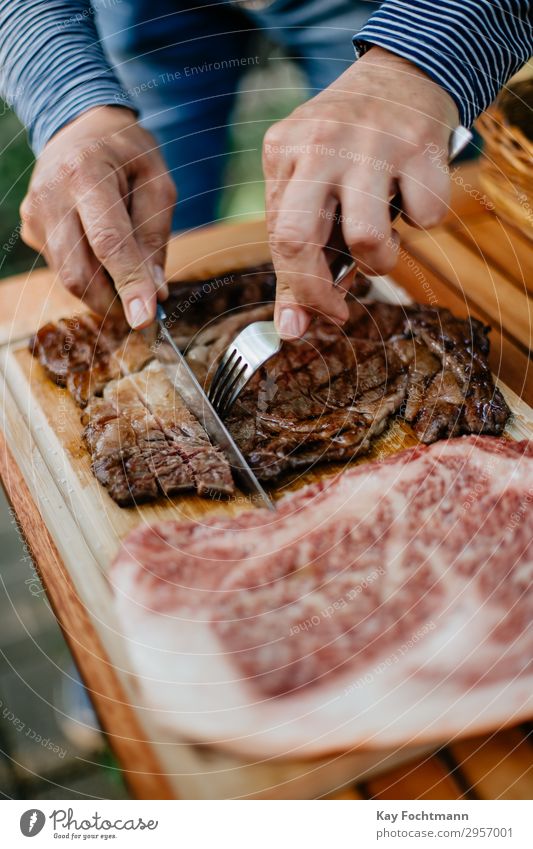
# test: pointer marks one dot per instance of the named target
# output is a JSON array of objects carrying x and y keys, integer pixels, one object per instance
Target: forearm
[
  {"x": 52, "y": 64},
  {"x": 470, "y": 47}
]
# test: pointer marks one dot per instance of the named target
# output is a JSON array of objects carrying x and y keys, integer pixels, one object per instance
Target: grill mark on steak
[
  {"x": 117, "y": 461},
  {"x": 325, "y": 404},
  {"x": 137, "y": 453},
  {"x": 464, "y": 399},
  {"x": 161, "y": 461},
  {"x": 206, "y": 463}
]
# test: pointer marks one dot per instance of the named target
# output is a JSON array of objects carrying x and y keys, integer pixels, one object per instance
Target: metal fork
[
  {"x": 253, "y": 346},
  {"x": 260, "y": 340},
  {"x": 249, "y": 350}
]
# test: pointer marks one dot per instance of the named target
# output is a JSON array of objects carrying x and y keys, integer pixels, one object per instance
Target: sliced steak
[
  {"x": 119, "y": 463},
  {"x": 207, "y": 464},
  {"x": 390, "y": 604},
  {"x": 321, "y": 399},
  {"x": 144, "y": 442},
  {"x": 461, "y": 397},
  {"x": 84, "y": 353}
]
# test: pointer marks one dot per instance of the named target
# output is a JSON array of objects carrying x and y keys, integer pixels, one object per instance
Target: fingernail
[
  {"x": 160, "y": 283},
  {"x": 137, "y": 312},
  {"x": 292, "y": 323}
]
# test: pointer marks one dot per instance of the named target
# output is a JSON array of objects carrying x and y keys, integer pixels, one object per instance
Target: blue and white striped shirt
[
  {"x": 470, "y": 47},
  {"x": 53, "y": 67}
]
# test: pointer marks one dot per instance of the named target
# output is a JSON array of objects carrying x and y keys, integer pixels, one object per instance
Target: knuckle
[
  {"x": 129, "y": 284},
  {"x": 319, "y": 135},
  {"x": 73, "y": 282},
  {"x": 274, "y": 138},
  {"x": 77, "y": 162},
  {"x": 365, "y": 240},
  {"x": 430, "y": 216},
  {"x": 168, "y": 193},
  {"x": 106, "y": 242},
  {"x": 431, "y": 219},
  {"x": 288, "y": 238},
  {"x": 384, "y": 262},
  {"x": 28, "y": 233},
  {"x": 72, "y": 167},
  {"x": 30, "y": 238},
  {"x": 153, "y": 239},
  {"x": 26, "y": 210}
]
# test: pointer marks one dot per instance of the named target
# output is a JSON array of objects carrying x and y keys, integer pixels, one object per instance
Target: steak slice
[
  {"x": 115, "y": 455},
  {"x": 85, "y": 352},
  {"x": 207, "y": 464},
  {"x": 389, "y": 605},
  {"x": 461, "y": 397},
  {"x": 144, "y": 442}
]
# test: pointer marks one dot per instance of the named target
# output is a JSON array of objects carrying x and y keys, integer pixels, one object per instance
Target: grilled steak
[
  {"x": 458, "y": 396},
  {"x": 323, "y": 398},
  {"x": 143, "y": 441},
  {"x": 326, "y": 396},
  {"x": 388, "y": 604}
]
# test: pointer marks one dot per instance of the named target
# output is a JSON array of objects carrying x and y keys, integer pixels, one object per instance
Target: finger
[
  {"x": 278, "y": 168},
  {"x": 67, "y": 252},
  {"x": 279, "y": 154},
  {"x": 152, "y": 204},
  {"x": 304, "y": 282},
  {"x": 32, "y": 230},
  {"x": 425, "y": 188},
  {"x": 365, "y": 219},
  {"x": 108, "y": 229}
]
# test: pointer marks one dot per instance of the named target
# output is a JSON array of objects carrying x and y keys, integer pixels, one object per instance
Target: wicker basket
[{"x": 506, "y": 170}]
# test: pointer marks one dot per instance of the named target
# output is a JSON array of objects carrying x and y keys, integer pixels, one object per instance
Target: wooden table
[{"x": 472, "y": 263}]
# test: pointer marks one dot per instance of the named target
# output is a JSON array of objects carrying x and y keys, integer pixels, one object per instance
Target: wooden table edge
[{"x": 147, "y": 780}]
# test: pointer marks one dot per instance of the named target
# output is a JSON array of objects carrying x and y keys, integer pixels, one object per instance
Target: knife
[{"x": 189, "y": 389}]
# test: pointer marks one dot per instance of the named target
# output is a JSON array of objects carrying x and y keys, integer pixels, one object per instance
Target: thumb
[{"x": 291, "y": 319}]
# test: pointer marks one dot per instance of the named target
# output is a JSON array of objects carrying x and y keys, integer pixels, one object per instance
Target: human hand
[
  {"x": 354, "y": 145},
  {"x": 99, "y": 207}
]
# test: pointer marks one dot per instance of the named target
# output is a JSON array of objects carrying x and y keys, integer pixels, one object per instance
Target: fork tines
[{"x": 230, "y": 377}]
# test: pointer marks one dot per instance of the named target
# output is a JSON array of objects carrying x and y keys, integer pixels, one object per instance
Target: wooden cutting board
[{"x": 83, "y": 526}]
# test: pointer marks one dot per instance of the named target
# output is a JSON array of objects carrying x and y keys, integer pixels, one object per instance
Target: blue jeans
[{"x": 182, "y": 64}]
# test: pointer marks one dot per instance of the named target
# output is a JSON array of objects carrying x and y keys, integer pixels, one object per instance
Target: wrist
[
  {"x": 96, "y": 121},
  {"x": 380, "y": 60}
]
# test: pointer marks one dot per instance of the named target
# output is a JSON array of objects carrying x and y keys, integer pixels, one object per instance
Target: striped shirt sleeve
[
  {"x": 52, "y": 66},
  {"x": 470, "y": 47}
]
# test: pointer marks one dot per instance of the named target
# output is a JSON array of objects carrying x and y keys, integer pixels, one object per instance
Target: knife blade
[{"x": 195, "y": 398}]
